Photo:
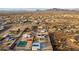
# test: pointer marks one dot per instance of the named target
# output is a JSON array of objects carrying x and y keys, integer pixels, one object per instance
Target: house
[{"x": 1, "y": 27}]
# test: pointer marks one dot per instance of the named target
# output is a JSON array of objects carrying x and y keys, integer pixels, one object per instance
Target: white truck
[{"x": 36, "y": 46}]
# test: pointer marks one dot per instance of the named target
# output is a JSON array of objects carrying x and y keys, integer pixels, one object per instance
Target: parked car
[{"x": 36, "y": 46}]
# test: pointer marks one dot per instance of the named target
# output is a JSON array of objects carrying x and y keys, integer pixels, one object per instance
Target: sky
[{"x": 30, "y": 8}]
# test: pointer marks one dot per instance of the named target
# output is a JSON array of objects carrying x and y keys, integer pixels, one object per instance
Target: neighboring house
[{"x": 1, "y": 27}]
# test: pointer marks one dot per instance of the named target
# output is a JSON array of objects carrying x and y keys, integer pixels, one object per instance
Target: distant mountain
[
  {"x": 64, "y": 10},
  {"x": 24, "y": 10}
]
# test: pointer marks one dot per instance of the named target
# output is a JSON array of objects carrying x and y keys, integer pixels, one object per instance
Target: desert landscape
[{"x": 39, "y": 30}]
